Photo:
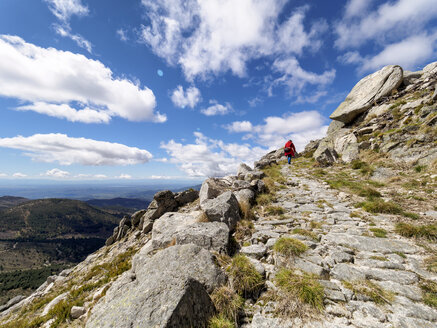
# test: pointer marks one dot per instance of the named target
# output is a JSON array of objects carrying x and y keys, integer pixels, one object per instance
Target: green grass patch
[
  {"x": 379, "y": 258},
  {"x": 371, "y": 290},
  {"x": 265, "y": 199},
  {"x": 380, "y": 206},
  {"x": 411, "y": 215},
  {"x": 274, "y": 210},
  {"x": 245, "y": 279},
  {"x": 315, "y": 225},
  {"x": 289, "y": 246},
  {"x": 429, "y": 290},
  {"x": 428, "y": 231},
  {"x": 227, "y": 302},
  {"x": 305, "y": 232},
  {"x": 220, "y": 322},
  {"x": 379, "y": 232},
  {"x": 401, "y": 254},
  {"x": 431, "y": 263},
  {"x": 305, "y": 287}
]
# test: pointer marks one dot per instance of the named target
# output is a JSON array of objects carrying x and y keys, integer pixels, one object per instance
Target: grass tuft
[
  {"x": 227, "y": 302},
  {"x": 429, "y": 289},
  {"x": 305, "y": 232},
  {"x": 244, "y": 228},
  {"x": 220, "y": 322},
  {"x": 244, "y": 278},
  {"x": 289, "y": 246},
  {"x": 417, "y": 231},
  {"x": 274, "y": 210},
  {"x": 379, "y": 232},
  {"x": 371, "y": 290},
  {"x": 306, "y": 288}
]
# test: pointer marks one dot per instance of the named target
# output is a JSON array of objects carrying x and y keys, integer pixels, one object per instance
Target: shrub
[
  {"x": 305, "y": 287},
  {"x": 371, "y": 290},
  {"x": 289, "y": 246},
  {"x": 244, "y": 277},
  {"x": 227, "y": 302}
]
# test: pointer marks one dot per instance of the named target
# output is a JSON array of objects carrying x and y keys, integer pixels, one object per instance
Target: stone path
[{"x": 346, "y": 251}]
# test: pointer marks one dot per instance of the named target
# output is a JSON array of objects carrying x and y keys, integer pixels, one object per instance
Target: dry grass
[
  {"x": 245, "y": 280},
  {"x": 244, "y": 229},
  {"x": 417, "y": 231},
  {"x": 306, "y": 233},
  {"x": 371, "y": 290},
  {"x": 227, "y": 302}
]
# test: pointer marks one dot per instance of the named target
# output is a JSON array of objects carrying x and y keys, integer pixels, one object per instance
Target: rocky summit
[{"x": 344, "y": 236}]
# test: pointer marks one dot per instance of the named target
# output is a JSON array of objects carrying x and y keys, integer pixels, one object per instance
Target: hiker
[{"x": 289, "y": 150}]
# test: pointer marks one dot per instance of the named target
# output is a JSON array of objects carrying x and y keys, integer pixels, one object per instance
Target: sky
[{"x": 176, "y": 90}]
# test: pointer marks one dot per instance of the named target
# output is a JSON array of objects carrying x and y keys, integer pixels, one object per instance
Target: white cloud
[
  {"x": 65, "y": 31},
  {"x": 188, "y": 98},
  {"x": 408, "y": 53},
  {"x": 216, "y": 109},
  {"x": 295, "y": 78},
  {"x": 2, "y": 175},
  {"x": 57, "y": 173},
  {"x": 355, "y": 8},
  {"x": 391, "y": 20},
  {"x": 211, "y": 37},
  {"x": 19, "y": 175},
  {"x": 239, "y": 126},
  {"x": 160, "y": 177},
  {"x": 311, "y": 99},
  {"x": 71, "y": 85},
  {"x": 208, "y": 157},
  {"x": 122, "y": 34},
  {"x": 124, "y": 176},
  {"x": 63, "y": 10},
  {"x": 301, "y": 127},
  {"x": 91, "y": 176},
  {"x": 66, "y": 150}
]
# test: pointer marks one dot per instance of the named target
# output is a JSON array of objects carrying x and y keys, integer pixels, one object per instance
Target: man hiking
[{"x": 289, "y": 150}]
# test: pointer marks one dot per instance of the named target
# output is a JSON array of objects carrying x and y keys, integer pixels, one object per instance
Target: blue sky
[{"x": 183, "y": 90}]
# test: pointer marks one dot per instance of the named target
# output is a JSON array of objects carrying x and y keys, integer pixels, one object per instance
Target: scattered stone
[
  {"x": 223, "y": 208},
  {"x": 255, "y": 251},
  {"x": 77, "y": 311}
]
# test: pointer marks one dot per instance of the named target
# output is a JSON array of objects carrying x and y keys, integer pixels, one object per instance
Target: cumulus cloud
[
  {"x": 67, "y": 150},
  {"x": 295, "y": 78},
  {"x": 160, "y": 177},
  {"x": 91, "y": 176},
  {"x": 19, "y": 175},
  {"x": 216, "y": 109},
  {"x": 210, "y": 158},
  {"x": 388, "y": 22},
  {"x": 63, "y": 10},
  {"x": 407, "y": 53},
  {"x": 71, "y": 86},
  {"x": 301, "y": 127},
  {"x": 189, "y": 98},
  {"x": 239, "y": 126},
  {"x": 3, "y": 175},
  {"x": 57, "y": 173},
  {"x": 216, "y": 36}
]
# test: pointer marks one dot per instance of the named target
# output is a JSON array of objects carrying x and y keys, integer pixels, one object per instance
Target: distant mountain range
[
  {"x": 9, "y": 201},
  {"x": 126, "y": 205}
]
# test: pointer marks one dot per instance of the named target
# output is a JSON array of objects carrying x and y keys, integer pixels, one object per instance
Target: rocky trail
[{"x": 344, "y": 253}]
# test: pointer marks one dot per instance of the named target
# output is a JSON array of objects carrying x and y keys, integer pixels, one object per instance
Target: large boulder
[
  {"x": 246, "y": 196},
  {"x": 325, "y": 154},
  {"x": 243, "y": 169},
  {"x": 347, "y": 146},
  {"x": 165, "y": 228},
  {"x": 169, "y": 289},
  {"x": 210, "y": 235},
  {"x": 368, "y": 91},
  {"x": 334, "y": 126},
  {"x": 212, "y": 188},
  {"x": 184, "y": 197},
  {"x": 163, "y": 202},
  {"x": 223, "y": 208}
]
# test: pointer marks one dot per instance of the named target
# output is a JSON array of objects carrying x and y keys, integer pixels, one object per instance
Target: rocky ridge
[{"x": 275, "y": 246}]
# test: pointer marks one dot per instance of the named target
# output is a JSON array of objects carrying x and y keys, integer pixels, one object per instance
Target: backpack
[{"x": 287, "y": 149}]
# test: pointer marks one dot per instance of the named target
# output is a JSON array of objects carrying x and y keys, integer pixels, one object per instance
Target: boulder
[
  {"x": 162, "y": 202},
  {"x": 245, "y": 196},
  {"x": 378, "y": 110},
  {"x": 411, "y": 77},
  {"x": 210, "y": 235},
  {"x": 54, "y": 302},
  {"x": 368, "y": 91},
  {"x": 169, "y": 289},
  {"x": 269, "y": 159},
  {"x": 434, "y": 96},
  {"x": 347, "y": 146},
  {"x": 430, "y": 69},
  {"x": 258, "y": 186},
  {"x": 136, "y": 217},
  {"x": 243, "y": 169},
  {"x": 223, "y": 208},
  {"x": 165, "y": 228},
  {"x": 325, "y": 154},
  {"x": 11, "y": 302},
  {"x": 334, "y": 126},
  {"x": 211, "y": 188},
  {"x": 184, "y": 197},
  {"x": 241, "y": 184},
  {"x": 253, "y": 175},
  {"x": 77, "y": 311}
]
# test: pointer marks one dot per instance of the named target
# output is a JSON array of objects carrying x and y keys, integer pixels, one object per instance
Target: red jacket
[{"x": 290, "y": 145}]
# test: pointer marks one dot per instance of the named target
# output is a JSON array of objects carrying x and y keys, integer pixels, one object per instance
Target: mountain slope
[{"x": 9, "y": 201}]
